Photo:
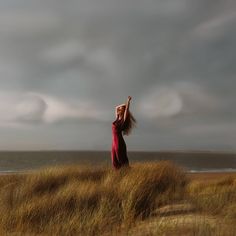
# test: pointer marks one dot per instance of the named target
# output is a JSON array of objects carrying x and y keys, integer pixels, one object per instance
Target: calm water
[{"x": 192, "y": 161}]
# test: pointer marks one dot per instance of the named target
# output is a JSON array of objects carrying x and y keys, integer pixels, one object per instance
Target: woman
[{"x": 124, "y": 123}]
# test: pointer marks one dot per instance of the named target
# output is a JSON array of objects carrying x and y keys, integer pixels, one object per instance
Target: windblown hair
[{"x": 129, "y": 123}]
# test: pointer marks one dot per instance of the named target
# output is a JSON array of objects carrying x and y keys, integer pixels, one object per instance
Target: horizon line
[{"x": 152, "y": 151}]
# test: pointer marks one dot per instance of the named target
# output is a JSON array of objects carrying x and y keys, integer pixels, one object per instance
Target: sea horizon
[{"x": 192, "y": 161}]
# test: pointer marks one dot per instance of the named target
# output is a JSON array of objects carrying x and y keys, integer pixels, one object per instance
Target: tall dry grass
[
  {"x": 86, "y": 200},
  {"x": 215, "y": 197}
]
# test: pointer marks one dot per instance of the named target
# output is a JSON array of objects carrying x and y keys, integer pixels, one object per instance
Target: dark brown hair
[{"x": 129, "y": 123}]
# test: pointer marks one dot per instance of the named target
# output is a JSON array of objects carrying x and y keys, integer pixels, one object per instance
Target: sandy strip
[{"x": 210, "y": 176}]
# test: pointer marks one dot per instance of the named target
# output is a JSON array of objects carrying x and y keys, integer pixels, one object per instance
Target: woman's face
[{"x": 121, "y": 110}]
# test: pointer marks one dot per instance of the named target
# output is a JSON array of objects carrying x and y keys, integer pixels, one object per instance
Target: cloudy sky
[{"x": 65, "y": 65}]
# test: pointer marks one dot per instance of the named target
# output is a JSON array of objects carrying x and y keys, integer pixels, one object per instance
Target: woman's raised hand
[{"x": 129, "y": 98}]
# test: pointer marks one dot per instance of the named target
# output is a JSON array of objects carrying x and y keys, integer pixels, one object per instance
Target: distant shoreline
[
  {"x": 194, "y": 174},
  {"x": 133, "y": 151},
  {"x": 210, "y": 176}
]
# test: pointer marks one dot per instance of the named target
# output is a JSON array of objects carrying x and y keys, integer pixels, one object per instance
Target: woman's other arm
[
  {"x": 116, "y": 112},
  {"x": 118, "y": 107}
]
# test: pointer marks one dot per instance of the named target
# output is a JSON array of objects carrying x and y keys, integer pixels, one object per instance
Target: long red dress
[{"x": 119, "y": 152}]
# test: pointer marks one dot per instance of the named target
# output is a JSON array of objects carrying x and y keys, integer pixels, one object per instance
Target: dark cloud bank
[{"x": 64, "y": 66}]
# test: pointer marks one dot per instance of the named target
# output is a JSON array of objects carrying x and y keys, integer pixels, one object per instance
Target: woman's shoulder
[{"x": 117, "y": 121}]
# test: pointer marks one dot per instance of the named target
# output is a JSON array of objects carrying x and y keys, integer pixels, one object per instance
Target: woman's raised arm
[{"x": 127, "y": 108}]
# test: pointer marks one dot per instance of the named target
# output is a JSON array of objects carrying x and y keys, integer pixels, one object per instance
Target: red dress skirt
[{"x": 119, "y": 152}]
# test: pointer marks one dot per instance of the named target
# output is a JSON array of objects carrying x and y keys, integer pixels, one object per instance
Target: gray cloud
[
  {"x": 181, "y": 97},
  {"x": 31, "y": 108},
  {"x": 64, "y": 66},
  {"x": 17, "y": 109}
]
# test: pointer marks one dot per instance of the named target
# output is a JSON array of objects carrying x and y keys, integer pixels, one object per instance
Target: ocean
[{"x": 197, "y": 161}]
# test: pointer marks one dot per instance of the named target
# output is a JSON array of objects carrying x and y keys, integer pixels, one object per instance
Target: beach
[{"x": 209, "y": 176}]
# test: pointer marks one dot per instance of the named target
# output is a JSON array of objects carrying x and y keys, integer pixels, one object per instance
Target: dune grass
[
  {"x": 88, "y": 200},
  {"x": 216, "y": 197}
]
